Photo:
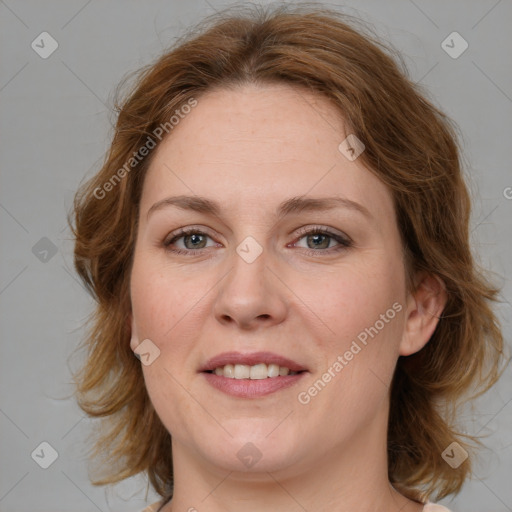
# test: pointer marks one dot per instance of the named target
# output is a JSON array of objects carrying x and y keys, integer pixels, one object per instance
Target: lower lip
[{"x": 251, "y": 388}]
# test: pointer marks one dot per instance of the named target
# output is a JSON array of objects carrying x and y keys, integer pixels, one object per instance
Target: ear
[{"x": 424, "y": 308}]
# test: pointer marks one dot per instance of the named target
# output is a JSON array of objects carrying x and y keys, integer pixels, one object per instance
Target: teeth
[
  {"x": 242, "y": 371},
  {"x": 256, "y": 372},
  {"x": 273, "y": 370}
]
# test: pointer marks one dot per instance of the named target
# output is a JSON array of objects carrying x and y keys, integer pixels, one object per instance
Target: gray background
[{"x": 55, "y": 127}]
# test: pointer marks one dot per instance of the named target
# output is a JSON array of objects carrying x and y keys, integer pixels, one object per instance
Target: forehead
[{"x": 254, "y": 146}]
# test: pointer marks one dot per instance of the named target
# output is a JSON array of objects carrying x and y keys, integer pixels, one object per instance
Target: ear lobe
[{"x": 424, "y": 309}]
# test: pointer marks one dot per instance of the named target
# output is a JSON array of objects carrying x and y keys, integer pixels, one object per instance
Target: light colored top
[
  {"x": 153, "y": 507},
  {"x": 429, "y": 507}
]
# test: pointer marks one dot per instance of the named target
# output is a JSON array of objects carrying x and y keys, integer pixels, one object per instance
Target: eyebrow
[{"x": 293, "y": 205}]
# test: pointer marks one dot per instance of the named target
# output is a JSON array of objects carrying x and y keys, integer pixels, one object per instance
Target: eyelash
[{"x": 344, "y": 243}]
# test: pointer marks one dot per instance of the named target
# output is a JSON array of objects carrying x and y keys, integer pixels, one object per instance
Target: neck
[{"x": 351, "y": 476}]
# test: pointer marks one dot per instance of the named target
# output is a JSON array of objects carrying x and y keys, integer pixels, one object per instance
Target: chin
[
  {"x": 250, "y": 450},
  {"x": 250, "y": 460}
]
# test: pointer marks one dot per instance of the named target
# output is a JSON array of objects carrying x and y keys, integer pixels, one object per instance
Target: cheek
[
  {"x": 363, "y": 309},
  {"x": 351, "y": 299},
  {"x": 168, "y": 307},
  {"x": 159, "y": 299}
]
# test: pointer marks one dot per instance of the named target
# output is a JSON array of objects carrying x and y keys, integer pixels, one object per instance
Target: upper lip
[{"x": 251, "y": 359}]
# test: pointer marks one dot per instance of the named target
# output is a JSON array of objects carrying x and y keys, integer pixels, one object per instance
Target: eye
[
  {"x": 319, "y": 238},
  {"x": 318, "y": 241},
  {"x": 193, "y": 239}
]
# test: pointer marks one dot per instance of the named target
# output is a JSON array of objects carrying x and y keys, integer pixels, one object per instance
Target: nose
[{"x": 252, "y": 294}]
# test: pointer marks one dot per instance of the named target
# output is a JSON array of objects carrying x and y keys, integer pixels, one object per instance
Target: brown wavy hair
[{"x": 411, "y": 146}]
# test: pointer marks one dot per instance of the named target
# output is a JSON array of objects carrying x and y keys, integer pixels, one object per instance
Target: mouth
[
  {"x": 255, "y": 372},
  {"x": 251, "y": 375}
]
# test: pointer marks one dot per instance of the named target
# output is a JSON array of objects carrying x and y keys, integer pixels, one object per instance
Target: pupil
[
  {"x": 317, "y": 237},
  {"x": 194, "y": 238}
]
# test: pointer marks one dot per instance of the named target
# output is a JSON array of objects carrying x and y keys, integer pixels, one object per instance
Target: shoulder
[
  {"x": 431, "y": 507},
  {"x": 154, "y": 507}
]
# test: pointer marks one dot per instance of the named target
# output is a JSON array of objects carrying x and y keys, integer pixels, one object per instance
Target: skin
[{"x": 249, "y": 149}]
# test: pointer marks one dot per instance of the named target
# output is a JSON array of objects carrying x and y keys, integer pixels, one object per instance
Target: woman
[{"x": 280, "y": 235}]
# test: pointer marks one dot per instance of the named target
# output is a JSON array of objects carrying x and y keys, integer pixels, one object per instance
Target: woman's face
[{"x": 253, "y": 278}]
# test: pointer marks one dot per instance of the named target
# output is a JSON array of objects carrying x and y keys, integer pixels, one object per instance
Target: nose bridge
[
  {"x": 250, "y": 250},
  {"x": 249, "y": 291},
  {"x": 248, "y": 266}
]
